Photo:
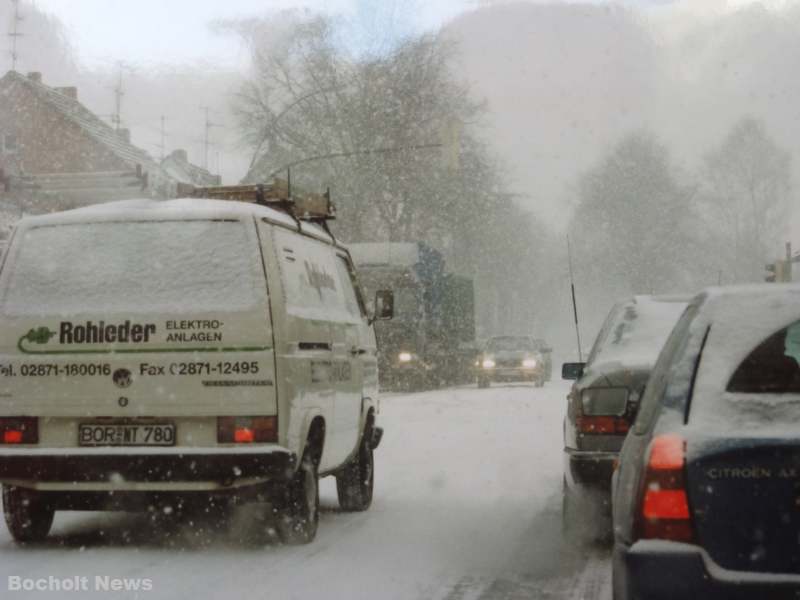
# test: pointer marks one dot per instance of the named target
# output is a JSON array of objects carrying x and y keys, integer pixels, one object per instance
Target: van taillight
[
  {"x": 19, "y": 430},
  {"x": 247, "y": 430},
  {"x": 665, "y": 505},
  {"x": 602, "y": 425}
]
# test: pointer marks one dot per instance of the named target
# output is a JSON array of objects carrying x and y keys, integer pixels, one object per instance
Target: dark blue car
[{"x": 706, "y": 498}]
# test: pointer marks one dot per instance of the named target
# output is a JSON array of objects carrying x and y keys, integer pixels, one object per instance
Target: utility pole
[
  {"x": 206, "y": 137},
  {"x": 787, "y": 275},
  {"x": 15, "y": 34},
  {"x": 163, "y": 131}
]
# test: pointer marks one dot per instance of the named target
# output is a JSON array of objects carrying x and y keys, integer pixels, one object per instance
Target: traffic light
[{"x": 775, "y": 272}]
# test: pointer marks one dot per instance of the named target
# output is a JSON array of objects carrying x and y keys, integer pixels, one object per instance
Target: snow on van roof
[
  {"x": 178, "y": 208},
  {"x": 638, "y": 332}
]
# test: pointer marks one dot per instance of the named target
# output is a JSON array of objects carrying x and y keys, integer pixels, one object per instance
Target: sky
[
  {"x": 177, "y": 31},
  {"x": 183, "y": 34}
]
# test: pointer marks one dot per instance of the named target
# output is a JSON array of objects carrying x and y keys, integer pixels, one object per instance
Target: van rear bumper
[{"x": 115, "y": 465}]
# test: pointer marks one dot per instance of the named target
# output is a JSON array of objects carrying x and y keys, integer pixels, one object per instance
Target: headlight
[
  {"x": 529, "y": 363},
  {"x": 488, "y": 363},
  {"x": 404, "y": 357}
]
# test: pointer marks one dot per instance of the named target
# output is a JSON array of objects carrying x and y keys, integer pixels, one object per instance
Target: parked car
[
  {"x": 706, "y": 499},
  {"x": 512, "y": 358},
  {"x": 603, "y": 402},
  {"x": 144, "y": 362}
]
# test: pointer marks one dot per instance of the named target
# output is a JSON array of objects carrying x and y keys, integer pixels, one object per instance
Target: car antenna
[{"x": 574, "y": 304}]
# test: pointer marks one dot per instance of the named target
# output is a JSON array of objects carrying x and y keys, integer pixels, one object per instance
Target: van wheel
[
  {"x": 298, "y": 518},
  {"x": 355, "y": 482},
  {"x": 27, "y": 515}
]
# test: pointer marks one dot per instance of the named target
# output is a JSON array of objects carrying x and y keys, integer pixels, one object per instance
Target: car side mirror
[
  {"x": 384, "y": 305},
  {"x": 572, "y": 371}
]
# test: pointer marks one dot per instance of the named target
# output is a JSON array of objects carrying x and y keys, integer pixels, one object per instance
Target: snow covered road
[{"x": 467, "y": 507}]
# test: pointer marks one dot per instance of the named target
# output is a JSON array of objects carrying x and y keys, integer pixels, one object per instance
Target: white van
[{"x": 161, "y": 353}]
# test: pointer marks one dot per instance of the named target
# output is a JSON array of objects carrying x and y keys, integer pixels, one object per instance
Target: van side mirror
[
  {"x": 384, "y": 305},
  {"x": 572, "y": 371}
]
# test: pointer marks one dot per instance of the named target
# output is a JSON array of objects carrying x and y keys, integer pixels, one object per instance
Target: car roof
[{"x": 180, "y": 208}]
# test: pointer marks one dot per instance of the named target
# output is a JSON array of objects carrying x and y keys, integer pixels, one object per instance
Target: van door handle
[{"x": 357, "y": 351}]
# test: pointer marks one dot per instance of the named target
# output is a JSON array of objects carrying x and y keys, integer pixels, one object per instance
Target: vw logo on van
[{"x": 122, "y": 378}]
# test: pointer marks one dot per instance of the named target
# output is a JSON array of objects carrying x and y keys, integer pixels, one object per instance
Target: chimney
[
  {"x": 124, "y": 134},
  {"x": 35, "y": 76},
  {"x": 69, "y": 91},
  {"x": 180, "y": 155}
]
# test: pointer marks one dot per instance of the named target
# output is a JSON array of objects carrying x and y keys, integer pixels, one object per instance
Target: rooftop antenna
[
  {"x": 206, "y": 141},
  {"x": 119, "y": 92},
  {"x": 574, "y": 303},
  {"x": 15, "y": 34}
]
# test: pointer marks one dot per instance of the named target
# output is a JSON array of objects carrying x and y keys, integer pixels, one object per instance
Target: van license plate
[{"x": 155, "y": 434}]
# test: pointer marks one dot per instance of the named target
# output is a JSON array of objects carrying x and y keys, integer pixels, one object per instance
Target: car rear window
[
  {"x": 636, "y": 332},
  {"x": 132, "y": 267},
  {"x": 773, "y": 367}
]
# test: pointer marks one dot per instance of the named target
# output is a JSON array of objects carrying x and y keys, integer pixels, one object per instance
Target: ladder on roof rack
[{"x": 300, "y": 205}]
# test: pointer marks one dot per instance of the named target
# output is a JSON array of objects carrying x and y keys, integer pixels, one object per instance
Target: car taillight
[
  {"x": 665, "y": 505},
  {"x": 247, "y": 430},
  {"x": 19, "y": 430},
  {"x": 602, "y": 425}
]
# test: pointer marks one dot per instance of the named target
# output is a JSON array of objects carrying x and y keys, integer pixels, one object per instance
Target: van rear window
[{"x": 132, "y": 267}]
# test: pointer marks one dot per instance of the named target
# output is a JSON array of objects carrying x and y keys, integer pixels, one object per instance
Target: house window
[{"x": 10, "y": 144}]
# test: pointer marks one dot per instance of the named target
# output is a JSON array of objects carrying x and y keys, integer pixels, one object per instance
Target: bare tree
[
  {"x": 634, "y": 228},
  {"x": 394, "y": 135},
  {"x": 373, "y": 129},
  {"x": 747, "y": 201}
]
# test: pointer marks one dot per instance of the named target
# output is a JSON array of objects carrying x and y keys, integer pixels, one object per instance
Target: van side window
[{"x": 352, "y": 297}]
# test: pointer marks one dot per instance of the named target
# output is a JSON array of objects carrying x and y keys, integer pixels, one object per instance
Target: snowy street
[{"x": 467, "y": 507}]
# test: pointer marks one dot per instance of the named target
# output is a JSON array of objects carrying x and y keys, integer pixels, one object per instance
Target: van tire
[
  {"x": 298, "y": 519},
  {"x": 28, "y": 516},
  {"x": 356, "y": 481}
]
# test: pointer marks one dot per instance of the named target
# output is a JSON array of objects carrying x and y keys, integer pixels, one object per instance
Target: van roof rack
[{"x": 279, "y": 195}]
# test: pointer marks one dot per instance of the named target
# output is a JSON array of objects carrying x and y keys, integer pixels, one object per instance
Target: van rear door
[{"x": 135, "y": 317}]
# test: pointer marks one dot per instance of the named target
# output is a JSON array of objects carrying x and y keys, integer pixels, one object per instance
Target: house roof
[
  {"x": 180, "y": 169},
  {"x": 76, "y": 112}
]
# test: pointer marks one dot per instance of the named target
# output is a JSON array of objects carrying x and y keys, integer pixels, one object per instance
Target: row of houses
[{"x": 56, "y": 154}]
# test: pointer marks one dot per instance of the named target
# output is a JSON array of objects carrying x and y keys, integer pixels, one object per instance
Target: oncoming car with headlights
[
  {"x": 512, "y": 358},
  {"x": 183, "y": 353}
]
